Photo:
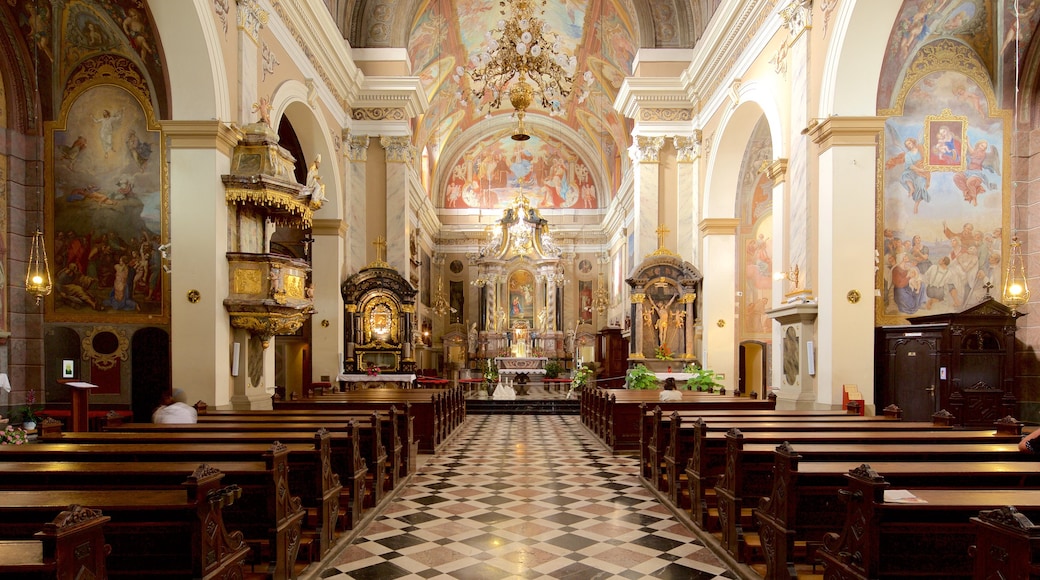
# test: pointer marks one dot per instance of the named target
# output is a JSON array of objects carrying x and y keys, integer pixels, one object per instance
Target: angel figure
[
  {"x": 263, "y": 108},
  {"x": 915, "y": 178},
  {"x": 983, "y": 162}
]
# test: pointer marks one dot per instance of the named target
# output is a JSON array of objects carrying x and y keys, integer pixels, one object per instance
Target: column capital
[
  {"x": 398, "y": 149},
  {"x": 775, "y": 170},
  {"x": 687, "y": 147},
  {"x": 251, "y": 18},
  {"x": 209, "y": 134},
  {"x": 797, "y": 17},
  {"x": 645, "y": 149},
  {"x": 719, "y": 226},
  {"x": 357, "y": 147}
]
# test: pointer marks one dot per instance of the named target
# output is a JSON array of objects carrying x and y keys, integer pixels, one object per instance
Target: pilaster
[
  {"x": 644, "y": 153},
  {"x": 399, "y": 154},
  {"x": 356, "y": 147}
]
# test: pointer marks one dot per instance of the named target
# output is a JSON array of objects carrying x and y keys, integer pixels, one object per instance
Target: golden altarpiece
[
  {"x": 268, "y": 294},
  {"x": 663, "y": 309},
  {"x": 379, "y": 307}
]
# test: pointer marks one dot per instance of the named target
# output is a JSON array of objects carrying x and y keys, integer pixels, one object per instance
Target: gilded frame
[{"x": 111, "y": 193}]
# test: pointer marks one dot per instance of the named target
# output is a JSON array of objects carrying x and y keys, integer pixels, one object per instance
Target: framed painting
[
  {"x": 944, "y": 139},
  {"x": 585, "y": 301},
  {"x": 521, "y": 297},
  {"x": 107, "y": 205}
]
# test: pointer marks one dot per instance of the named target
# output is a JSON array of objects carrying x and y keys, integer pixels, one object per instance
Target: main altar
[{"x": 517, "y": 371}]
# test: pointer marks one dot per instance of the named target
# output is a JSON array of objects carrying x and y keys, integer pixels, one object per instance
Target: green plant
[
  {"x": 663, "y": 353},
  {"x": 582, "y": 376},
  {"x": 490, "y": 371},
  {"x": 640, "y": 377},
  {"x": 553, "y": 369},
  {"x": 701, "y": 379}
]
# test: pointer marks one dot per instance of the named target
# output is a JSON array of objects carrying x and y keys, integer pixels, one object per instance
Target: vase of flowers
[
  {"x": 30, "y": 416},
  {"x": 490, "y": 375}
]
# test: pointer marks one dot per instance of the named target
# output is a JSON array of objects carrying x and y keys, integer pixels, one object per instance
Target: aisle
[{"x": 525, "y": 496}]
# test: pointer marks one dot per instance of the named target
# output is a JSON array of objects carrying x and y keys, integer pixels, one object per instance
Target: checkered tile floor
[{"x": 525, "y": 496}]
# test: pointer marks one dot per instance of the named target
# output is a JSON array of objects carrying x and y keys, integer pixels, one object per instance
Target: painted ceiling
[{"x": 585, "y": 137}]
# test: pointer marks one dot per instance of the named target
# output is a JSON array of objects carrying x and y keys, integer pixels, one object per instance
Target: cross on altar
[
  {"x": 380, "y": 245},
  {"x": 661, "y": 231}
]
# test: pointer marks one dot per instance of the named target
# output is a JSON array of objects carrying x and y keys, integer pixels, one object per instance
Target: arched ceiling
[{"x": 604, "y": 35}]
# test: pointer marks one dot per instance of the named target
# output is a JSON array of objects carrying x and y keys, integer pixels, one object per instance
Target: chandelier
[
  {"x": 38, "y": 274},
  {"x": 440, "y": 304},
  {"x": 602, "y": 298},
  {"x": 523, "y": 51}
]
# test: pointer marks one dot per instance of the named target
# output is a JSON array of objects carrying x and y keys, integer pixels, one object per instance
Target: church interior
[{"x": 815, "y": 203}]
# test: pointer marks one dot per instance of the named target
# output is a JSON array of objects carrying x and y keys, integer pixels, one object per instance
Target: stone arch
[
  {"x": 189, "y": 37},
  {"x": 852, "y": 65},
  {"x": 290, "y": 101}
]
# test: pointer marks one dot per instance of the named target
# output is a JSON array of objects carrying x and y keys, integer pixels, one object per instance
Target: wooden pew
[
  {"x": 70, "y": 546},
  {"x": 748, "y": 472},
  {"x": 310, "y": 465},
  {"x": 882, "y": 540},
  {"x": 269, "y": 517},
  {"x": 1007, "y": 545},
  {"x": 617, "y": 422},
  {"x": 370, "y": 429},
  {"x": 803, "y": 504},
  {"x": 153, "y": 533},
  {"x": 437, "y": 412},
  {"x": 402, "y": 413}
]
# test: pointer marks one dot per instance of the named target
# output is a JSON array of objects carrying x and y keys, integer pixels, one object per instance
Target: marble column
[
  {"x": 356, "y": 201},
  {"x": 251, "y": 19},
  {"x": 644, "y": 153},
  {"x": 399, "y": 154},
  {"x": 800, "y": 216},
  {"x": 636, "y": 348},
  {"x": 688, "y": 300},
  {"x": 688, "y": 152}
]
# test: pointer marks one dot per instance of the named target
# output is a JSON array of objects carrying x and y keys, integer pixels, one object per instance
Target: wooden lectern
[{"x": 79, "y": 421}]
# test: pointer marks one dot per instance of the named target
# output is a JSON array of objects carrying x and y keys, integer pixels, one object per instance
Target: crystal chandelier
[
  {"x": 522, "y": 52},
  {"x": 1016, "y": 287}
]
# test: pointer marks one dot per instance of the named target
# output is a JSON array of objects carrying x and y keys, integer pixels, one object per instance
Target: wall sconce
[
  {"x": 38, "y": 273},
  {"x": 1016, "y": 287},
  {"x": 789, "y": 275},
  {"x": 440, "y": 303}
]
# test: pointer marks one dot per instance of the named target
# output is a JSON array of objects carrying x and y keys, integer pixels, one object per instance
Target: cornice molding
[
  {"x": 329, "y": 227},
  {"x": 404, "y": 93},
  {"x": 719, "y": 226},
  {"x": 846, "y": 131},
  {"x": 211, "y": 134}
]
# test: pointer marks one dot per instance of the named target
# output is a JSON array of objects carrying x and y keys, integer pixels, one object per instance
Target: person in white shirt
[
  {"x": 669, "y": 393},
  {"x": 173, "y": 410}
]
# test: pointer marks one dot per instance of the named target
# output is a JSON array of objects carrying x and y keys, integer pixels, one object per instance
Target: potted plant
[
  {"x": 582, "y": 376},
  {"x": 29, "y": 412},
  {"x": 701, "y": 379},
  {"x": 640, "y": 377},
  {"x": 553, "y": 369}
]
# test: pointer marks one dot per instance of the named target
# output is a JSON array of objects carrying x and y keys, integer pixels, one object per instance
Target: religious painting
[
  {"x": 755, "y": 264},
  {"x": 521, "y": 297},
  {"x": 943, "y": 206},
  {"x": 585, "y": 301},
  {"x": 585, "y": 266},
  {"x": 425, "y": 280},
  {"x": 457, "y": 300},
  {"x": 107, "y": 208},
  {"x": 496, "y": 169},
  {"x": 944, "y": 138}
]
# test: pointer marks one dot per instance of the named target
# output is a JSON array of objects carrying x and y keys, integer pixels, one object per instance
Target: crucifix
[
  {"x": 380, "y": 245},
  {"x": 661, "y": 231}
]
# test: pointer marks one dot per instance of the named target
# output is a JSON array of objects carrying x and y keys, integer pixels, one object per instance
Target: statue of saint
[
  {"x": 314, "y": 190},
  {"x": 472, "y": 338}
]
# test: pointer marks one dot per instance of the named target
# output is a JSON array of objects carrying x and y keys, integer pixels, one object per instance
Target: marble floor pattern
[{"x": 525, "y": 496}]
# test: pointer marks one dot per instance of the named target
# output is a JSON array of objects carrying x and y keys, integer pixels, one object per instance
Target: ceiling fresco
[{"x": 599, "y": 33}]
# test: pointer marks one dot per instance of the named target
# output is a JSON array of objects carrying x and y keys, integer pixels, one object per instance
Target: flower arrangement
[
  {"x": 663, "y": 352},
  {"x": 490, "y": 371},
  {"x": 640, "y": 377},
  {"x": 373, "y": 370},
  {"x": 582, "y": 376},
  {"x": 13, "y": 436},
  {"x": 29, "y": 411}
]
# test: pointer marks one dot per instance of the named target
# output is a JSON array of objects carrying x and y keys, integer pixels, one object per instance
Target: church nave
[{"x": 525, "y": 496}]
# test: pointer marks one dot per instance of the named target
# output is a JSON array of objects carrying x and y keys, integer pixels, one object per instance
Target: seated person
[
  {"x": 669, "y": 393},
  {"x": 173, "y": 410},
  {"x": 1028, "y": 442}
]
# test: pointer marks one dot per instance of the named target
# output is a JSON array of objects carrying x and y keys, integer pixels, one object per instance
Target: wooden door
[{"x": 912, "y": 380}]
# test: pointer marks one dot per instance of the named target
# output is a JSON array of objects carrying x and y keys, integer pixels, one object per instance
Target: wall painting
[
  {"x": 944, "y": 203},
  {"x": 521, "y": 298}
]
